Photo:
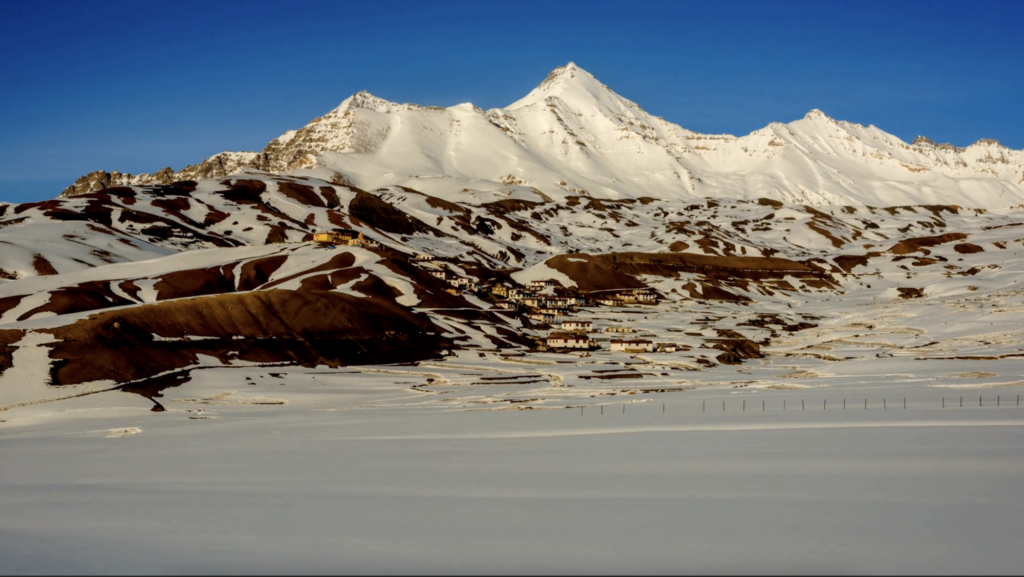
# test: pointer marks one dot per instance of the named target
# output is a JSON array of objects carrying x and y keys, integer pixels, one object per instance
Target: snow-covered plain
[{"x": 328, "y": 487}]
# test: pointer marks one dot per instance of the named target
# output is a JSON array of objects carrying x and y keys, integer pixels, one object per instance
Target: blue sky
[{"x": 137, "y": 86}]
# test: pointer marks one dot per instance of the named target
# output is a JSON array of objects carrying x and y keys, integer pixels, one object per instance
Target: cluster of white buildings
[
  {"x": 641, "y": 346},
  {"x": 458, "y": 282},
  {"x": 344, "y": 237},
  {"x": 644, "y": 296},
  {"x": 543, "y": 308},
  {"x": 572, "y": 333}
]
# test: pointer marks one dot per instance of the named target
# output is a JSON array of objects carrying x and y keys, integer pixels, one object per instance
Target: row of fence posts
[{"x": 824, "y": 404}]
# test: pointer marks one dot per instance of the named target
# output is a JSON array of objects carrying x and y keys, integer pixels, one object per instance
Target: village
[
  {"x": 548, "y": 305},
  {"x": 545, "y": 303},
  {"x": 344, "y": 237}
]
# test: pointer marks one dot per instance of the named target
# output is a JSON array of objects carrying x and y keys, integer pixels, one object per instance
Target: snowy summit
[{"x": 572, "y": 135}]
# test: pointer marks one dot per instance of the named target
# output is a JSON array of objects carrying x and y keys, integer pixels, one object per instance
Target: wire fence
[{"x": 863, "y": 404}]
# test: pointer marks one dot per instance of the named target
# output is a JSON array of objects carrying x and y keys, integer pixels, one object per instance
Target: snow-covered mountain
[
  {"x": 574, "y": 136},
  {"x": 127, "y": 278}
]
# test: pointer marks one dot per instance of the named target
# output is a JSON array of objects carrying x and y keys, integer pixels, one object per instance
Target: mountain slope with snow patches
[{"x": 572, "y": 183}]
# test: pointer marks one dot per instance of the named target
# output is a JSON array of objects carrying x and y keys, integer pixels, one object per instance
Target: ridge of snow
[{"x": 574, "y": 136}]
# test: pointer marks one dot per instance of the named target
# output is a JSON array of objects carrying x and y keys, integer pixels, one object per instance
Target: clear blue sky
[{"x": 139, "y": 85}]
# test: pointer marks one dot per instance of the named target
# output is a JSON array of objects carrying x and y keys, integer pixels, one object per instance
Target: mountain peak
[
  {"x": 988, "y": 142},
  {"x": 562, "y": 80},
  {"x": 364, "y": 99},
  {"x": 569, "y": 69},
  {"x": 815, "y": 114}
]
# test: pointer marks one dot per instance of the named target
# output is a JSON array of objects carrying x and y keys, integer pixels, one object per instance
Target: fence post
[
  {"x": 844, "y": 404},
  {"x": 762, "y": 406},
  {"x": 943, "y": 402},
  {"x": 904, "y": 403},
  {"x": 623, "y": 409},
  {"x": 581, "y": 411},
  {"x": 602, "y": 409},
  {"x": 997, "y": 401},
  {"x": 823, "y": 404},
  {"x": 663, "y": 407},
  {"x": 801, "y": 404},
  {"x": 961, "y": 401},
  {"x": 884, "y": 407},
  {"x": 865, "y": 404},
  {"x": 723, "y": 406},
  {"x": 744, "y": 405},
  {"x": 783, "y": 404},
  {"x": 703, "y": 406},
  {"x": 979, "y": 400}
]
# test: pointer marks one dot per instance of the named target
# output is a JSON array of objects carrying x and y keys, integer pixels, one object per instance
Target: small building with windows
[
  {"x": 361, "y": 240},
  {"x": 336, "y": 236},
  {"x": 568, "y": 341},
  {"x": 632, "y": 346},
  {"x": 518, "y": 293},
  {"x": 543, "y": 318},
  {"x": 577, "y": 325}
]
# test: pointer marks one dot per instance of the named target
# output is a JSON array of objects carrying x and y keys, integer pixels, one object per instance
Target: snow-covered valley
[{"x": 800, "y": 351}]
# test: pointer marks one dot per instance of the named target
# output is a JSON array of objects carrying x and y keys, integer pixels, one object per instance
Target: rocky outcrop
[
  {"x": 216, "y": 166},
  {"x": 99, "y": 180}
]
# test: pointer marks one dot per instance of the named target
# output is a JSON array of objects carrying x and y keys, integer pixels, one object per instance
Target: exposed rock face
[
  {"x": 96, "y": 181},
  {"x": 216, "y": 166}
]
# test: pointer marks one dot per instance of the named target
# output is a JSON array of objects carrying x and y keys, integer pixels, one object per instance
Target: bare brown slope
[
  {"x": 619, "y": 270},
  {"x": 309, "y": 328},
  {"x": 920, "y": 244},
  {"x": 382, "y": 215},
  {"x": 8, "y": 337}
]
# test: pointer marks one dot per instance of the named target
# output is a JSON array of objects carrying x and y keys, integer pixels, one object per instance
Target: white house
[
  {"x": 633, "y": 346},
  {"x": 518, "y": 293},
  {"x": 544, "y": 318},
  {"x": 363, "y": 241},
  {"x": 619, "y": 330},
  {"x": 539, "y": 284},
  {"x": 568, "y": 341},
  {"x": 560, "y": 303},
  {"x": 577, "y": 325}
]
